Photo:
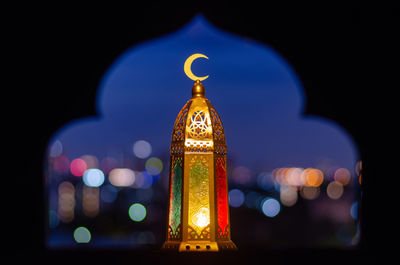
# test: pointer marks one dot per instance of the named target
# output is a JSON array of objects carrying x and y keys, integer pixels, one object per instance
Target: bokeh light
[
  {"x": 241, "y": 175},
  {"x": 142, "y": 149},
  {"x": 334, "y": 190},
  {"x": 154, "y": 166},
  {"x": 137, "y": 212},
  {"x": 78, "y": 167},
  {"x": 90, "y": 201},
  {"x": 253, "y": 199},
  {"x": 343, "y": 176},
  {"x": 358, "y": 167},
  {"x": 121, "y": 177},
  {"x": 288, "y": 195},
  {"x": 143, "y": 180},
  {"x": 61, "y": 164},
  {"x": 295, "y": 177},
  {"x": 236, "y": 197},
  {"x": 53, "y": 219},
  {"x": 56, "y": 149},
  {"x": 313, "y": 177},
  {"x": 91, "y": 161},
  {"x": 270, "y": 207},
  {"x": 265, "y": 182},
  {"x": 82, "y": 235},
  {"x": 93, "y": 177},
  {"x": 309, "y": 193},
  {"x": 354, "y": 210},
  {"x": 66, "y": 201}
]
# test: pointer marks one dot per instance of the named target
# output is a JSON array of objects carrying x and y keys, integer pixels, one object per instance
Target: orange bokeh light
[
  {"x": 343, "y": 176},
  {"x": 313, "y": 177}
]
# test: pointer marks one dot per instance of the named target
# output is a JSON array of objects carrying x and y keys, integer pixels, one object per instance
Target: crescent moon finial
[{"x": 188, "y": 64}]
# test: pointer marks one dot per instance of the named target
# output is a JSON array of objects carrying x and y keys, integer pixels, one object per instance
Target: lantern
[{"x": 198, "y": 215}]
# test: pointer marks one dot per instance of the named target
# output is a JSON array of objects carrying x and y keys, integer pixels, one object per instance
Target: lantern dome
[{"x": 198, "y": 127}]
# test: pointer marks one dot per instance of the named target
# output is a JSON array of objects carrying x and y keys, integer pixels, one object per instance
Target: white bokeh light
[
  {"x": 142, "y": 149},
  {"x": 93, "y": 177}
]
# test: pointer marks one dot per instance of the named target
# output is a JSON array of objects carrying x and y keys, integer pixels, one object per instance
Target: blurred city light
[
  {"x": 121, "y": 177},
  {"x": 313, "y": 177},
  {"x": 61, "y": 164},
  {"x": 334, "y": 190},
  {"x": 253, "y": 199},
  {"x": 78, "y": 167},
  {"x": 288, "y": 195},
  {"x": 53, "y": 219},
  {"x": 154, "y": 166},
  {"x": 270, "y": 207},
  {"x": 143, "y": 180},
  {"x": 90, "y": 201},
  {"x": 137, "y": 212},
  {"x": 309, "y": 193},
  {"x": 342, "y": 176},
  {"x": 241, "y": 175},
  {"x": 66, "y": 201},
  {"x": 82, "y": 235},
  {"x": 236, "y": 198},
  {"x": 142, "y": 149},
  {"x": 91, "y": 161},
  {"x": 56, "y": 149},
  {"x": 265, "y": 181},
  {"x": 354, "y": 210},
  {"x": 93, "y": 177}
]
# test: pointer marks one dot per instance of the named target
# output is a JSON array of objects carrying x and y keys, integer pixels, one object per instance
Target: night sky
[{"x": 255, "y": 91}]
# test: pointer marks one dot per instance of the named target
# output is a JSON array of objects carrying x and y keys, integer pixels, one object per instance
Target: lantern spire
[{"x": 198, "y": 90}]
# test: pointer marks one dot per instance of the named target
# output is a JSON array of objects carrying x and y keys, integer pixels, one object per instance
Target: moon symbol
[{"x": 188, "y": 65}]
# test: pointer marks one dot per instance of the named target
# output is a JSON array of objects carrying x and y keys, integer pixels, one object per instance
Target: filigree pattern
[
  {"x": 218, "y": 130},
  {"x": 174, "y": 234},
  {"x": 198, "y": 126},
  {"x": 194, "y": 235},
  {"x": 178, "y": 133},
  {"x": 223, "y": 234}
]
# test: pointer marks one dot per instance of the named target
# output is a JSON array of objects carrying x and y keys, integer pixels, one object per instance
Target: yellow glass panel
[{"x": 199, "y": 193}]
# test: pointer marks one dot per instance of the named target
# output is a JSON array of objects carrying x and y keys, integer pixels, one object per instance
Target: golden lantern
[{"x": 198, "y": 216}]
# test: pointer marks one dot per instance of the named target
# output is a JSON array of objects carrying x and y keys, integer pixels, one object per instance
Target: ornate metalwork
[
  {"x": 198, "y": 206},
  {"x": 204, "y": 233}
]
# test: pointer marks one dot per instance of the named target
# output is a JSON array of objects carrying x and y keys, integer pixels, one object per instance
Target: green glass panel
[{"x": 176, "y": 198}]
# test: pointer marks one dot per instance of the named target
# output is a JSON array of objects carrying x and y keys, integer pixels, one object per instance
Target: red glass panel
[{"x": 222, "y": 199}]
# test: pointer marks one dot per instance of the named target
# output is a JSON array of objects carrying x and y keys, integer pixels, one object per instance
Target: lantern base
[{"x": 199, "y": 246}]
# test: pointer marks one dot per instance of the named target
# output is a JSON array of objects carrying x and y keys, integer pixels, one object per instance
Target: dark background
[{"x": 344, "y": 55}]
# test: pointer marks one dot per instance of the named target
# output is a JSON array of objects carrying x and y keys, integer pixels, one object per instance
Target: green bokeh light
[
  {"x": 137, "y": 212},
  {"x": 82, "y": 235}
]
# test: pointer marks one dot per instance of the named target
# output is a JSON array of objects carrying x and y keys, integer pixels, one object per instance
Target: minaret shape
[{"x": 198, "y": 213}]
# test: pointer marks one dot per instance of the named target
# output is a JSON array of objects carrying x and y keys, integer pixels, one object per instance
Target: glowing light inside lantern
[{"x": 202, "y": 217}]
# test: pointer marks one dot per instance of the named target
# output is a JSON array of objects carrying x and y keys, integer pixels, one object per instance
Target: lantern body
[{"x": 198, "y": 216}]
